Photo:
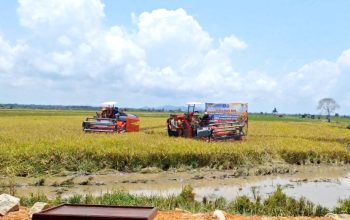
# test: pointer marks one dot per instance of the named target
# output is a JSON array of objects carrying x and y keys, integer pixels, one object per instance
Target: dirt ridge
[{"x": 22, "y": 214}]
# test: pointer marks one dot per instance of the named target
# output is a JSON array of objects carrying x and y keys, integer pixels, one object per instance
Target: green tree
[
  {"x": 274, "y": 111},
  {"x": 328, "y": 106}
]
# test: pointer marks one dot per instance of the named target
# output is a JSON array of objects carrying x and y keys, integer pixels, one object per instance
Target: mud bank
[{"x": 322, "y": 184}]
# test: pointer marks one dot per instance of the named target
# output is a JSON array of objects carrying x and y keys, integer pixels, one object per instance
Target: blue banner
[{"x": 227, "y": 111}]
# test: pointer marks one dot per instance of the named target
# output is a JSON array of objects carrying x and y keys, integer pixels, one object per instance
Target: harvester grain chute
[
  {"x": 111, "y": 119},
  {"x": 219, "y": 122}
]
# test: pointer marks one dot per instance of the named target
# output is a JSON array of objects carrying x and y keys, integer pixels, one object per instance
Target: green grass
[
  {"x": 36, "y": 142},
  {"x": 276, "y": 204}
]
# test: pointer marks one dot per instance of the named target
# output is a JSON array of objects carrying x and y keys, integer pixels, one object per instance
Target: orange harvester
[
  {"x": 219, "y": 122},
  {"x": 111, "y": 119}
]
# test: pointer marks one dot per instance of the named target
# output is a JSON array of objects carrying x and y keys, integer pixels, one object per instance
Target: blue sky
[
  {"x": 284, "y": 54},
  {"x": 291, "y": 32}
]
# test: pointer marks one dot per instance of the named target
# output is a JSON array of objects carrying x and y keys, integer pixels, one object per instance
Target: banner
[{"x": 227, "y": 112}]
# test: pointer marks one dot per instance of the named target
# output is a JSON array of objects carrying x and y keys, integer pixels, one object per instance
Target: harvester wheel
[
  {"x": 237, "y": 137},
  {"x": 83, "y": 125}
]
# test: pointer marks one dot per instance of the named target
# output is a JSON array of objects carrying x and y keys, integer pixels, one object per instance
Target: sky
[{"x": 275, "y": 53}]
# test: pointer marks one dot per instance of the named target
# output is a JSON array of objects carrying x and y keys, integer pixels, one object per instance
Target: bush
[
  {"x": 187, "y": 193},
  {"x": 343, "y": 206}
]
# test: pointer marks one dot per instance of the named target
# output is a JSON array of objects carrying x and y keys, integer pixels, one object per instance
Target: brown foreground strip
[
  {"x": 18, "y": 215},
  {"x": 22, "y": 214},
  {"x": 162, "y": 215}
]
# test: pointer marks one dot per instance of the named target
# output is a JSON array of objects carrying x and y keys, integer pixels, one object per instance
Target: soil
[
  {"x": 296, "y": 180},
  {"x": 22, "y": 214}
]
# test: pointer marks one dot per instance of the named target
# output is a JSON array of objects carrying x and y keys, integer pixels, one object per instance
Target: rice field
[{"x": 34, "y": 142}]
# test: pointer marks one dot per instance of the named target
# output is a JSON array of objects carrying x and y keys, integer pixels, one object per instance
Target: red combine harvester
[
  {"x": 111, "y": 119},
  {"x": 219, "y": 122}
]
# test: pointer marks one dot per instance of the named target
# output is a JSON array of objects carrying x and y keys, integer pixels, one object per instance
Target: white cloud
[
  {"x": 316, "y": 79},
  {"x": 64, "y": 41},
  {"x": 73, "y": 15},
  {"x": 160, "y": 26},
  {"x": 10, "y": 55},
  {"x": 344, "y": 59},
  {"x": 166, "y": 57},
  {"x": 6, "y": 56},
  {"x": 232, "y": 42},
  {"x": 122, "y": 49},
  {"x": 165, "y": 48},
  {"x": 303, "y": 88},
  {"x": 171, "y": 38}
]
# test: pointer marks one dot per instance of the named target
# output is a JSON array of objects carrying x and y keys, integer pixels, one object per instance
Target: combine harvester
[
  {"x": 220, "y": 122},
  {"x": 111, "y": 119}
]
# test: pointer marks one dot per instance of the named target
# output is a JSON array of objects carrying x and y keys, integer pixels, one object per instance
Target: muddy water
[
  {"x": 321, "y": 192},
  {"x": 320, "y": 184}
]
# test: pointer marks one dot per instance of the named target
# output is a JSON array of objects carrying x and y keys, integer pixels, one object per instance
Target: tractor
[
  {"x": 111, "y": 119},
  {"x": 218, "y": 123}
]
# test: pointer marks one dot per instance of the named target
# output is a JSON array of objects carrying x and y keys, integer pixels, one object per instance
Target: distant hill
[
  {"x": 166, "y": 108},
  {"x": 58, "y": 107}
]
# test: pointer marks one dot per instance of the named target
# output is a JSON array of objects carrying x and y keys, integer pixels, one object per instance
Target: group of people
[
  {"x": 120, "y": 115},
  {"x": 114, "y": 113},
  {"x": 176, "y": 125},
  {"x": 111, "y": 112}
]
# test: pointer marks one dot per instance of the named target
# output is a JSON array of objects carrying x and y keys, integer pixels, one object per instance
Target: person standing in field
[
  {"x": 172, "y": 126},
  {"x": 195, "y": 123},
  {"x": 205, "y": 119}
]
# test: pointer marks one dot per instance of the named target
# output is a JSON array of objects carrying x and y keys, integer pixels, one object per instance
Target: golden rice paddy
[{"x": 46, "y": 141}]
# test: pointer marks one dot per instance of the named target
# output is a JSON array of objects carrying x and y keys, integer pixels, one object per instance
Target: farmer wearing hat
[{"x": 205, "y": 119}]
